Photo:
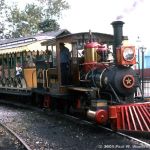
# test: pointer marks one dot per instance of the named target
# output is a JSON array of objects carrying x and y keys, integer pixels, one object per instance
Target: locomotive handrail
[
  {"x": 47, "y": 77},
  {"x": 43, "y": 78},
  {"x": 101, "y": 77},
  {"x": 114, "y": 93}
]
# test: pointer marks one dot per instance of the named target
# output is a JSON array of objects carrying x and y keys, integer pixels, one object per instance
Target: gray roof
[{"x": 37, "y": 37}]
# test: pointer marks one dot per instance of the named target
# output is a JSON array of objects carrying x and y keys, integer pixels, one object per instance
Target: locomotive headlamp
[{"x": 128, "y": 54}]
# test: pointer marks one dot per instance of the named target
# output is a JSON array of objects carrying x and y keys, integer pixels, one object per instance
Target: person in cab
[{"x": 64, "y": 63}]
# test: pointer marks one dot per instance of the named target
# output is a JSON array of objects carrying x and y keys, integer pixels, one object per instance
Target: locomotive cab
[{"x": 75, "y": 43}]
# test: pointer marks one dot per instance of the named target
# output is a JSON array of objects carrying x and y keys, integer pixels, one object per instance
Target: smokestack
[{"x": 118, "y": 35}]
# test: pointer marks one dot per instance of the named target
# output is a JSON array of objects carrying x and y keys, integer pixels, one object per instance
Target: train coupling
[{"x": 100, "y": 116}]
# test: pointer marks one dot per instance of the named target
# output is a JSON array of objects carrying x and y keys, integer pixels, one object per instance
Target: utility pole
[
  {"x": 138, "y": 41},
  {"x": 142, "y": 50}
]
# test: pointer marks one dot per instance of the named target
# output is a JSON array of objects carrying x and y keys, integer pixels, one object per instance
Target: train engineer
[{"x": 65, "y": 63}]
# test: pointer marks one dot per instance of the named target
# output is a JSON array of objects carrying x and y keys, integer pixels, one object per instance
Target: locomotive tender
[{"x": 102, "y": 82}]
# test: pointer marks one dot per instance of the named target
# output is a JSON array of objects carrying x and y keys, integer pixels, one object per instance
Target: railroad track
[
  {"x": 143, "y": 143},
  {"x": 19, "y": 143}
]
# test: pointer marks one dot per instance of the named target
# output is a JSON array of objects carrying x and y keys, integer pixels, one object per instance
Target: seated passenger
[
  {"x": 48, "y": 58},
  {"x": 18, "y": 70}
]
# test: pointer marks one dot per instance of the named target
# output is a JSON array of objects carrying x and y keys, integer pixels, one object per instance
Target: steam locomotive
[
  {"x": 117, "y": 79},
  {"x": 102, "y": 82}
]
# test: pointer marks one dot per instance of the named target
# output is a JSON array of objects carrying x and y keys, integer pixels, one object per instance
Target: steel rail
[
  {"x": 147, "y": 145},
  {"x": 16, "y": 135}
]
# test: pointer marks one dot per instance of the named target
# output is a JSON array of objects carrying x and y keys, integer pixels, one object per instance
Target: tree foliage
[
  {"x": 42, "y": 15},
  {"x": 3, "y": 14},
  {"x": 54, "y": 8},
  {"x": 48, "y": 25},
  {"x": 25, "y": 22},
  {"x": 2, "y": 4}
]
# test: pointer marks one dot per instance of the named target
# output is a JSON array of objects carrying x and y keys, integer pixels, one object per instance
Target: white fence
[{"x": 146, "y": 88}]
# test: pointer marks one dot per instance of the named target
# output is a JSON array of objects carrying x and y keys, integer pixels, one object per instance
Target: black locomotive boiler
[
  {"x": 116, "y": 78},
  {"x": 119, "y": 81}
]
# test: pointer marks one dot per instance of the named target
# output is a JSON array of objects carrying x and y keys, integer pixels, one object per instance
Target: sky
[{"x": 97, "y": 15}]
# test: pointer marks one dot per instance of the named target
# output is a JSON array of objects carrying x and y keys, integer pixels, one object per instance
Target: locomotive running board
[{"x": 130, "y": 117}]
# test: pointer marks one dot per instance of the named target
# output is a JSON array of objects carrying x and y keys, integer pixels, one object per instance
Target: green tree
[
  {"x": 2, "y": 5},
  {"x": 3, "y": 16},
  {"x": 53, "y": 8},
  {"x": 48, "y": 25},
  {"x": 24, "y": 22},
  {"x": 41, "y": 15}
]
